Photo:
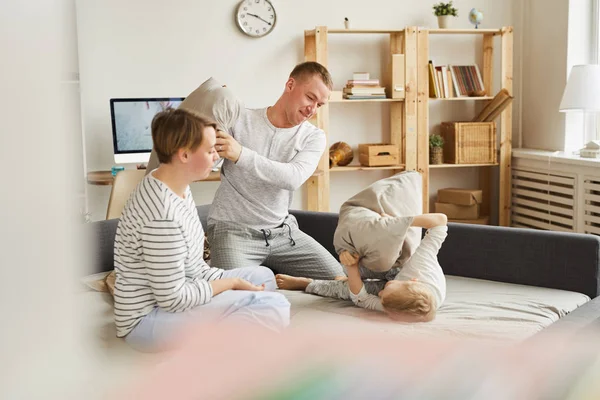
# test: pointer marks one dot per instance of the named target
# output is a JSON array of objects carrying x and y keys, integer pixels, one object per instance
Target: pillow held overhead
[
  {"x": 213, "y": 100},
  {"x": 382, "y": 242}
]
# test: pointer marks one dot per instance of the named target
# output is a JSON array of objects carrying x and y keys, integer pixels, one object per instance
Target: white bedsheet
[{"x": 476, "y": 309}]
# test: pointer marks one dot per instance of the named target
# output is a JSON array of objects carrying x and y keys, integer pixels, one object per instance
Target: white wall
[
  {"x": 44, "y": 353},
  {"x": 553, "y": 43},
  {"x": 138, "y": 48}
]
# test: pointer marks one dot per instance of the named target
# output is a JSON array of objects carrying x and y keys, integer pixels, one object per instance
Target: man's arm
[{"x": 288, "y": 176}]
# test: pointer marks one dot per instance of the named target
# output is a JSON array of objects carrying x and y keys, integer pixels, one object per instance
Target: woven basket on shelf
[
  {"x": 436, "y": 155},
  {"x": 469, "y": 142}
]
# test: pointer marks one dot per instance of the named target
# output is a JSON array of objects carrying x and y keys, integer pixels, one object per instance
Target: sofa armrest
[{"x": 567, "y": 261}]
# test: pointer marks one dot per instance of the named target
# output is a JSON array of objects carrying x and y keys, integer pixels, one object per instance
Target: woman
[{"x": 162, "y": 281}]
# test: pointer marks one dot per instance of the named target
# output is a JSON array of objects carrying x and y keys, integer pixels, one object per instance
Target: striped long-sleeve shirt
[{"x": 158, "y": 255}]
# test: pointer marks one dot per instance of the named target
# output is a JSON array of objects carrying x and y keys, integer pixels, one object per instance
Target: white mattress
[{"x": 475, "y": 309}]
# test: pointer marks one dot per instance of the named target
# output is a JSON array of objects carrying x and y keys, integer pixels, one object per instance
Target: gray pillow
[
  {"x": 382, "y": 242},
  {"x": 214, "y": 101}
]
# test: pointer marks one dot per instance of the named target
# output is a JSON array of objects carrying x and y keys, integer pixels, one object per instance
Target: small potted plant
[
  {"x": 436, "y": 144},
  {"x": 443, "y": 11}
]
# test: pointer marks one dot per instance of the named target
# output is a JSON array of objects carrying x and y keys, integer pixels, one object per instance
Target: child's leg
[
  {"x": 288, "y": 282},
  {"x": 339, "y": 289}
]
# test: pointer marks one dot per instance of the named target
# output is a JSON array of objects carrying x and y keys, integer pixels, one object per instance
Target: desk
[{"x": 105, "y": 178}]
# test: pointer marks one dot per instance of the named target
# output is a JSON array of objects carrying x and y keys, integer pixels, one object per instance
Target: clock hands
[{"x": 256, "y": 16}]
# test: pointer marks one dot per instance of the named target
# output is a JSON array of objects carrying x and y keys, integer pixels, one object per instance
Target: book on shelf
[
  {"x": 363, "y": 89},
  {"x": 369, "y": 90},
  {"x": 466, "y": 79},
  {"x": 363, "y": 96},
  {"x": 449, "y": 81}
]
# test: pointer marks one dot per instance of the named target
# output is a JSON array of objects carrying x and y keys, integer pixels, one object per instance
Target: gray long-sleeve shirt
[{"x": 257, "y": 191}]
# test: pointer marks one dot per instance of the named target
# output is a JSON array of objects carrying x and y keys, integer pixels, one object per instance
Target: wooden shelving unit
[
  {"x": 503, "y": 168},
  {"x": 409, "y": 117},
  {"x": 403, "y": 112}
]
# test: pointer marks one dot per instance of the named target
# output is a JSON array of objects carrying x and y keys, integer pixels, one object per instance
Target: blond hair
[
  {"x": 414, "y": 300},
  {"x": 309, "y": 69},
  {"x": 174, "y": 129}
]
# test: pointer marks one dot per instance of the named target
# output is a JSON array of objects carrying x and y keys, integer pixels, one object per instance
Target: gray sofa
[{"x": 496, "y": 258}]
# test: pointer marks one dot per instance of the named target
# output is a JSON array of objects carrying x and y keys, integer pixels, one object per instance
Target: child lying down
[{"x": 411, "y": 293}]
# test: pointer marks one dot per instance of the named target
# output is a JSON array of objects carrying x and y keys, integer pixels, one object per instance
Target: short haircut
[
  {"x": 414, "y": 300},
  {"x": 174, "y": 129},
  {"x": 309, "y": 69}
]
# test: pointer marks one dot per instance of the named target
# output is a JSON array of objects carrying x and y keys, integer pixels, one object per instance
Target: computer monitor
[{"x": 131, "y": 126}]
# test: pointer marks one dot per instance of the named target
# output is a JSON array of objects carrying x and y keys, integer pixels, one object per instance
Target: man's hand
[
  {"x": 228, "y": 147},
  {"x": 242, "y": 284},
  {"x": 348, "y": 259}
]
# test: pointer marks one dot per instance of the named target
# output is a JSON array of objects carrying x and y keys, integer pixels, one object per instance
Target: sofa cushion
[{"x": 387, "y": 242}]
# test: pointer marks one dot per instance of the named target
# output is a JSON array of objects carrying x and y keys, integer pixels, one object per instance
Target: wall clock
[{"x": 256, "y": 18}]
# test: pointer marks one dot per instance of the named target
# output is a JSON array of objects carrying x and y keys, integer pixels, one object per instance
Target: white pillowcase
[
  {"x": 214, "y": 101},
  {"x": 382, "y": 242}
]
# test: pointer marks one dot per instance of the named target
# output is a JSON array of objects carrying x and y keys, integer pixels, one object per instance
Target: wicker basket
[
  {"x": 469, "y": 142},
  {"x": 436, "y": 155}
]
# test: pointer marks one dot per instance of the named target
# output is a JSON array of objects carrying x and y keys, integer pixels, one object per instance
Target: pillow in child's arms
[{"x": 382, "y": 242}]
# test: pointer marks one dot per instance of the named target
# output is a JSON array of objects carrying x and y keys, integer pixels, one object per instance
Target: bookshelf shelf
[
  {"x": 350, "y": 168},
  {"x": 460, "y": 165},
  {"x": 461, "y": 98},
  {"x": 487, "y": 176},
  {"x": 336, "y": 97},
  {"x": 355, "y": 31},
  {"x": 465, "y": 31},
  {"x": 402, "y": 131}
]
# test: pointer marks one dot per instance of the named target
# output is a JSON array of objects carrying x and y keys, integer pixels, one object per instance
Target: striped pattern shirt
[{"x": 159, "y": 246}]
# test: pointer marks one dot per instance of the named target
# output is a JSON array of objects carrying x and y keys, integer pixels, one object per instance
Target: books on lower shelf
[
  {"x": 363, "y": 89},
  {"x": 449, "y": 81}
]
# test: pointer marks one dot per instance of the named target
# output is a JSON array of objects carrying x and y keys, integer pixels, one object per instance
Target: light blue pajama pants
[{"x": 268, "y": 309}]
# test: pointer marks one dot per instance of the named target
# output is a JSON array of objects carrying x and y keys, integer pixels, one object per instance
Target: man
[{"x": 270, "y": 153}]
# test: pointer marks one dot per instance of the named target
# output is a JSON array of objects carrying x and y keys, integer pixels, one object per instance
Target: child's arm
[
  {"x": 358, "y": 294},
  {"x": 429, "y": 221},
  {"x": 350, "y": 261}
]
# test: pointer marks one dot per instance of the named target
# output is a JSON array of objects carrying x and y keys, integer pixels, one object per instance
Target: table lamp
[{"x": 582, "y": 94}]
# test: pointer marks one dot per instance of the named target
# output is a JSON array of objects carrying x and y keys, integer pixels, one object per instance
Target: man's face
[{"x": 305, "y": 97}]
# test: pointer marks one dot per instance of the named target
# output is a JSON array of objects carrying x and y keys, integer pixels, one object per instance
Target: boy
[{"x": 412, "y": 293}]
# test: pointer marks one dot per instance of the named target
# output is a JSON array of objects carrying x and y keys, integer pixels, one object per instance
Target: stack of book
[{"x": 362, "y": 87}]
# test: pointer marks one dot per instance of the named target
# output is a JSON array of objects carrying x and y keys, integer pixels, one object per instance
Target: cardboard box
[
  {"x": 454, "y": 211},
  {"x": 479, "y": 221},
  {"x": 463, "y": 197}
]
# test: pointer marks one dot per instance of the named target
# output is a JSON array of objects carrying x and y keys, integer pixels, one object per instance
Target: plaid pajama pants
[{"x": 285, "y": 250}]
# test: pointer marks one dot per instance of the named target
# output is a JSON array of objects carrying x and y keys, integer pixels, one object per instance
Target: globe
[{"x": 475, "y": 17}]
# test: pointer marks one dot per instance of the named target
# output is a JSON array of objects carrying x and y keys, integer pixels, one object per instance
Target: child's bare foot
[{"x": 288, "y": 282}]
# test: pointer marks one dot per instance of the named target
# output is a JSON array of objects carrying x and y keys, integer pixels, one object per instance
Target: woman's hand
[{"x": 242, "y": 284}]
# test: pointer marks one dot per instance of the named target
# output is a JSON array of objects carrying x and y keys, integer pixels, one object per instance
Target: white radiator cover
[{"x": 555, "y": 193}]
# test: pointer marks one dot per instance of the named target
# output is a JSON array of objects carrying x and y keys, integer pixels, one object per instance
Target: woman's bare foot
[{"x": 288, "y": 282}]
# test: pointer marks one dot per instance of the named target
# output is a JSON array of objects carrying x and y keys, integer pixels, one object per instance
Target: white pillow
[
  {"x": 382, "y": 242},
  {"x": 214, "y": 101}
]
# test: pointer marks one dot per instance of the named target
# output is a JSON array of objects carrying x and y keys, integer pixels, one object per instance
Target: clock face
[{"x": 256, "y": 18}]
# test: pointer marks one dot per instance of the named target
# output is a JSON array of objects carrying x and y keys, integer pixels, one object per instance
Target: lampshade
[{"x": 582, "y": 92}]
